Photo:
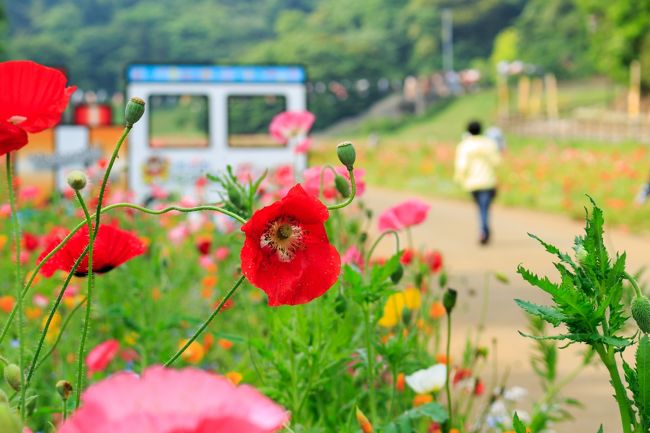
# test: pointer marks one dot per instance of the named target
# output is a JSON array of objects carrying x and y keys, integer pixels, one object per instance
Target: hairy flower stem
[
  {"x": 353, "y": 184},
  {"x": 89, "y": 297},
  {"x": 19, "y": 283},
  {"x": 449, "y": 423},
  {"x": 206, "y": 323},
  {"x": 53, "y": 311},
  {"x": 381, "y": 236},
  {"x": 370, "y": 354},
  {"x": 607, "y": 357}
]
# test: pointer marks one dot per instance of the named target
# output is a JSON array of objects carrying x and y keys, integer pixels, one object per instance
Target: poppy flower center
[{"x": 284, "y": 236}]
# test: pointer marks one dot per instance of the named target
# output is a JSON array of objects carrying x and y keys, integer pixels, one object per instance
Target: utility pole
[{"x": 447, "y": 40}]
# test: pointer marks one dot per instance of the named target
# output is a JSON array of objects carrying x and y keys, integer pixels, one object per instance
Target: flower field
[{"x": 271, "y": 310}]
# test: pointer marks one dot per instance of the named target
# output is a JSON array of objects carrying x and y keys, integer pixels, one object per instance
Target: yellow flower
[
  {"x": 3, "y": 241},
  {"x": 131, "y": 338},
  {"x": 33, "y": 313},
  {"x": 395, "y": 304}
]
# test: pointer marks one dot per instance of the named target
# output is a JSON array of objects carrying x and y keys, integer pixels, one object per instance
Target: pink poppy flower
[
  {"x": 5, "y": 210},
  {"x": 303, "y": 146},
  {"x": 283, "y": 176},
  {"x": 221, "y": 253},
  {"x": 102, "y": 355},
  {"x": 178, "y": 234},
  {"x": 291, "y": 124},
  {"x": 29, "y": 193},
  {"x": 173, "y": 401},
  {"x": 406, "y": 214},
  {"x": 159, "y": 193},
  {"x": 353, "y": 257},
  {"x": 206, "y": 262}
]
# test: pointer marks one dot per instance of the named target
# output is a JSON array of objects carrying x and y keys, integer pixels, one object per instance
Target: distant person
[
  {"x": 477, "y": 157},
  {"x": 642, "y": 196}
]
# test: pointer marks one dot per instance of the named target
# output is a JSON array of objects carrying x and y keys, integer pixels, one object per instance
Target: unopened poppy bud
[
  {"x": 581, "y": 253},
  {"x": 346, "y": 153},
  {"x": 342, "y": 186},
  {"x": 449, "y": 300},
  {"x": 9, "y": 422},
  {"x": 12, "y": 376},
  {"x": 397, "y": 275},
  {"x": 340, "y": 305},
  {"x": 363, "y": 237},
  {"x": 641, "y": 313},
  {"x": 77, "y": 180},
  {"x": 442, "y": 279},
  {"x": 363, "y": 421},
  {"x": 64, "y": 388},
  {"x": 134, "y": 111}
]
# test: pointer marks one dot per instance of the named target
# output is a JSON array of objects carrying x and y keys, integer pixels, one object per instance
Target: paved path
[{"x": 452, "y": 228}]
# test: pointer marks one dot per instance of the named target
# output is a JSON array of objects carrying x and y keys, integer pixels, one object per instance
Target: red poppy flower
[
  {"x": 433, "y": 260},
  {"x": 32, "y": 98},
  {"x": 287, "y": 253},
  {"x": 113, "y": 247}
]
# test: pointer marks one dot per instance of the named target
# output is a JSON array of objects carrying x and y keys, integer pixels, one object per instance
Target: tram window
[
  {"x": 249, "y": 117},
  {"x": 178, "y": 121}
]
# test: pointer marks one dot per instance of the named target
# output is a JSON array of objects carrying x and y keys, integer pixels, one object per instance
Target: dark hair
[{"x": 474, "y": 127}]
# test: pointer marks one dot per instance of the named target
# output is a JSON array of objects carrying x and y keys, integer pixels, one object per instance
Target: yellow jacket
[{"x": 476, "y": 160}]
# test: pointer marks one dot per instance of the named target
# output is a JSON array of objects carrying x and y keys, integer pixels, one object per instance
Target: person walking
[{"x": 477, "y": 157}]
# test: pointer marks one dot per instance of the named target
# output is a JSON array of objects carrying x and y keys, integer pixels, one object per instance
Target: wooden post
[
  {"x": 523, "y": 91},
  {"x": 503, "y": 95},
  {"x": 634, "y": 93},
  {"x": 536, "y": 94},
  {"x": 551, "y": 96}
]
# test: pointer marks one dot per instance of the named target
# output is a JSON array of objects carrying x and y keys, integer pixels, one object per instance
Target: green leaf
[
  {"x": 549, "y": 314},
  {"x": 588, "y": 338},
  {"x": 518, "y": 425},
  {"x": 642, "y": 400},
  {"x": 402, "y": 424}
]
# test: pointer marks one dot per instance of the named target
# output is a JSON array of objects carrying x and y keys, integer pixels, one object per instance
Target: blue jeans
[{"x": 483, "y": 198}]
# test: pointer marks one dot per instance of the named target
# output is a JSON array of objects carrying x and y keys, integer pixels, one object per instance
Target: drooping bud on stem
[
  {"x": 397, "y": 275},
  {"x": 449, "y": 300},
  {"x": 346, "y": 153},
  {"x": 641, "y": 313},
  {"x": 342, "y": 186},
  {"x": 77, "y": 180},
  {"x": 363, "y": 421},
  {"x": 134, "y": 111},
  {"x": 12, "y": 376},
  {"x": 64, "y": 388}
]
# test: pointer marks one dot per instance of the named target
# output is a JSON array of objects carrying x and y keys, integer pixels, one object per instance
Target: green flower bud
[
  {"x": 340, "y": 305},
  {"x": 134, "y": 111},
  {"x": 449, "y": 300},
  {"x": 77, "y": 180},
  {"x": 442, "y": 279},
  {"x": 641, "y": 313},
  {"x": 363, "y": 237},
  {"x": 346, "y": 153},
  {"x": 64, "y": 388},
  {"x": 397, "y": 275},
  {"x": 342, "y": 186},
  {"x": 9, "y": 422},
  {"x": 12, "y": 376}
]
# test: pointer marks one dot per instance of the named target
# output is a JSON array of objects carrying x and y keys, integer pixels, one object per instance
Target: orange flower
[
  {"x": 399, "y": 382},
  {"x": 7, "y": 303},
  {"x": 421, "y": 399},
  {"x": 209, "y": 281},
  {"x": 234, "y": 377},
  {"x": 437, "y": 310},
  {"x": 194, "y": 352},
  {"x": 208, "y": 341},
  {"x": 225, "y": 344},
  {"x": 364, "y": 422},
  {"x": 156, "y": 294},
  {"x": 33, "y": 313},
  {"x": 206, "y": 292},
  {"x": 441, "y": 358}
]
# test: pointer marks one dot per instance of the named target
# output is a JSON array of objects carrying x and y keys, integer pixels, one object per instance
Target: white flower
[
  {"x": 515, "y": 393},
  {"x": 429, "y": 380}
]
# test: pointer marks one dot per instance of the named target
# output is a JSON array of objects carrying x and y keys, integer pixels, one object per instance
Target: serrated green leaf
[
  {"x": 549, "y": 314},
  {"x": 591, "y": 338},
  {"x": 642, "y": 400}
]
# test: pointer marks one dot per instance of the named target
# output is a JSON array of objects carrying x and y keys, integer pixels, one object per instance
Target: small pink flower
[
  {"x": 206, "y": 262},
  {"x": 283, "y": 176},
  {"x": 178, "y": 234},
  {"x": 406, "y": 214},
  {"x": 28, "y": 193},
  {"x": 353, "y": 257},
  {"x": 99, "y": 358},
  {"x": 174, "y": 401},
  {"x": 159, "y": 193},
  {"x": 303, "y": 146},
  {"x": 221, "y": 253},
  {"x": 291, "y": 124},
  {"x": 5, "y": 210},
  {"x": 40, "y": 300},
  {"x": 188, "y": 201}
]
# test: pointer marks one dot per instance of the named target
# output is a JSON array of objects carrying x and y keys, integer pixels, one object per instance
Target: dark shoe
[{"x": 485, "y": 238}]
